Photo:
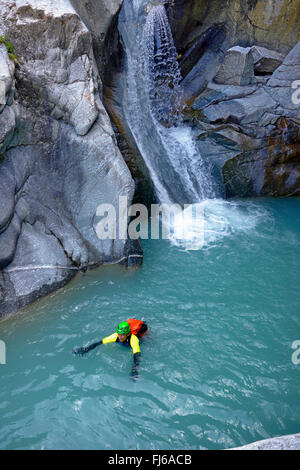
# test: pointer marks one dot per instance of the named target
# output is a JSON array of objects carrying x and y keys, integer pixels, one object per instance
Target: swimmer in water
[{"x": 128, "y": 333}]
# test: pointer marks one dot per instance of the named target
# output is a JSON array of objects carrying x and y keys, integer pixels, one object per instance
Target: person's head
[{"x": 123, "y": 330}]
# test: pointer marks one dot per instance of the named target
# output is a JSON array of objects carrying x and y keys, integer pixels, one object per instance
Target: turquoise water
[{"x": 216, "y": 368}]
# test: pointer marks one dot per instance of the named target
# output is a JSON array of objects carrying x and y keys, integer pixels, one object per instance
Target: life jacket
[{"x": 135, "y": 325}]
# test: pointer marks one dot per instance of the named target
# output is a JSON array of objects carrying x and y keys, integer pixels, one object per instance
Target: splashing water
[
  {"x": 152, "y": 106},
  {"x": 213, "y": 221}
]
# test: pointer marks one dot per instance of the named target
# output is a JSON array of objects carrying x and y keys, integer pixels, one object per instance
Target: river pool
[{"x": 216, "y": 368}]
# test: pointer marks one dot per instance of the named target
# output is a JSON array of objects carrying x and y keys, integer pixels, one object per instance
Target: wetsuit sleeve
[
  {"x": 135, "y": 344},
  {"x": 86, "y": 349},
  {"x": 135, "y": 367},
  {"x": 110, "y": 339}
]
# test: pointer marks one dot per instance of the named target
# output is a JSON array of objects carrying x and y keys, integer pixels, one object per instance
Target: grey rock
[
  {"x": 7, "y": 198},
  {"x": 218, "y": 150},
  {"x": 251, "y": 133},
  {"x": 215, "y": 93},
  {"x": 40, "y": 265},
  {"x": 85, "y": 113},
  {"x": 245, "y": 23},
  {"x": 7, "y": 69},
  {"x": 200, "y": 27},
  {"x": 197, "y": 79},
  {"x": 265, "y": 60},
  {"x": 59, "y": 158},
  {"x": 289, "y": 70},
  {"x": 78, "y": 71},
  {"x": 270, "y": 169},
  {"x": 59, "y": 66},
  {"x": 211, "y": 40},
  {"x": 237, "y": 68},
  {"x": 8, "y": 242},
  {"x": 98, "y": 16},
  {"x": 241, "y": 110},
  {"x": 284, "y": 82},
  {"x": 7, "y": 125},
  {"x": 291, "y": 442},
  {"x": 207, "y": 97},
  {"x": 97, "y": 162}
]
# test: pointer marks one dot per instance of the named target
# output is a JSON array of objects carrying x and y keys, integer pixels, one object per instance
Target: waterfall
[
  {"x": 162, "y": 73},
  {"x": 152, "y": 105}
]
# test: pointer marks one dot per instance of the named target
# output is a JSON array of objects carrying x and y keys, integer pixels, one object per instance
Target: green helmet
[{"x": 123, "y": 328}]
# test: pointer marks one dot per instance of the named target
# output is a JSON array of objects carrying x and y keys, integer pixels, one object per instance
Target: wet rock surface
[
  {"x": 251, "y": 132},
  {"x": 291, "y": 442},
  {"x": 59, "y": 158},
  {"x": 240, "y": 66},
  {"x": 252, "y": 105}
]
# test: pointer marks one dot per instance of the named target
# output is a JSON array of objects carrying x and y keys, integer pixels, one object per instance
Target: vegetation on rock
[{"x": 9, "y": 46}]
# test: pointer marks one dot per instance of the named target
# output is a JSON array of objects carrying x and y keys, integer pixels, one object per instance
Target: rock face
[
  {"x": 239, "y": 62},
  {"x": 265, "y": 61},
  {"x": 7, "y": 69},
  {"x": 246, "y": 23},
  {"x": 251, "y": 132},
  {"x": 291, "y": 442},
  {"x": 98, "y": 16},
  {"x": 203, "y": 32},
  {"x": 240, "y": 68},
  {"x": 59, "y": 159},
  {"x": 237, "y": 68}
]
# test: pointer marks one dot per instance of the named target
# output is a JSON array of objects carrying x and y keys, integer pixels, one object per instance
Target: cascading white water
[
  {"x": 152, "y": 106},
  {"x": 162, "y": 73}
]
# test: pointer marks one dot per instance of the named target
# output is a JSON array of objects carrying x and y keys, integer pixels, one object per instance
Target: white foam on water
[
  {"x": 214, "y": 220},
  {"x": 180, "y": 174}
]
